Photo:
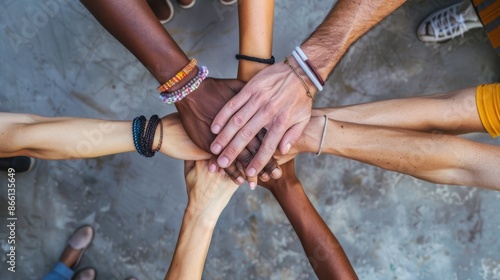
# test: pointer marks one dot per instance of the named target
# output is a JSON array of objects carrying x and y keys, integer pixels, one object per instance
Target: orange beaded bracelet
[{"x": 178, "y": 77}]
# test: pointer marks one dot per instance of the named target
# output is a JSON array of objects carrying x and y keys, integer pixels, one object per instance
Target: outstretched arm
[
  {"x": 323, "y": 250},
  {"x": 434, "y": 157},
  {"x": 66, "y": 138},
  {"x": 256, "y": 18},
  {"x": 452, "y": 113},
  {"x": 208, "y": 195}
]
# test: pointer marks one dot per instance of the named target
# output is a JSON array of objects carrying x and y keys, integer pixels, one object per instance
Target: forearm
[
  {"x": 256, "y": 34},
  {"x": 66, "y": 138},
  {"x": 323, "y": 250},
  {"x": 192, "y": 248},
  {"x": 63, "y": 138},
  {"x": 453, "y": 113},
  {"x": 347, "y": 21},
  {"x": 434, "y": 157},
  {"x": 133, "y": 23}
]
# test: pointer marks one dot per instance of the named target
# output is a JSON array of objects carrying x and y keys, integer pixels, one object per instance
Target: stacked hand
[
  {"x": 197, "y": 112},
  {"x": 275, "y": 100}
]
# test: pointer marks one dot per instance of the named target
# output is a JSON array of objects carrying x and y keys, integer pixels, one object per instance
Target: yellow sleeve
[{"x": 488, "y": 106}]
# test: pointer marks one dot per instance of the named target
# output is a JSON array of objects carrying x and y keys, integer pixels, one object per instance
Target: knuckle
[
  {"x": 245, "y": 158},
  {"x": 246, "y": 133},
  {"x": 281, "y": 121},
  {"x": 238, "y": 120},
  {"x": 231, "y": 152}
]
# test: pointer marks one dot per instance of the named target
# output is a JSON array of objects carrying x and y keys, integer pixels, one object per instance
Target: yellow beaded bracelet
[{"x": 178, "y": 77}]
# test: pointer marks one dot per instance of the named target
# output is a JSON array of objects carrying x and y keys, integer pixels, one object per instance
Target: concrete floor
[{"x": 391, "y": 226}]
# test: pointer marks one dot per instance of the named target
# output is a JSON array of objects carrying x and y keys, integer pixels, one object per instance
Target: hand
[
  {"x": 288, "y": 178},
  {"x": 274, "y": 99},
  {"x": 197, "y": 111},
  {"x": 176, "y": 142},
  {"x": 208, "y": 193}
]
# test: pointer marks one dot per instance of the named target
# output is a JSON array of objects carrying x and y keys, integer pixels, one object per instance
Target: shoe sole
[
  {"x": 169, "y": 4},
  {"x": 228, "y": 3},
  {"x": 188, "y": 6}
]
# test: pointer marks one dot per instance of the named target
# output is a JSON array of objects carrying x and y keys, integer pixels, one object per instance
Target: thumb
[{"x": 292, "y": 136}]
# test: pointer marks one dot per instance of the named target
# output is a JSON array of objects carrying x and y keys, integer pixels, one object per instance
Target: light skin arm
[
  {"x": 275, "y": 98},
  {"x": 208, "y": 195},
  {"x": 66, "y": 138},
  {"x": 323, "y": 250},
  {"x": 452, "y": 113}
]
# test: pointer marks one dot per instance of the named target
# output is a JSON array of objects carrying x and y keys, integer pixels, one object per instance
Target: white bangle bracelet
[{"x": 308, "y": 72}]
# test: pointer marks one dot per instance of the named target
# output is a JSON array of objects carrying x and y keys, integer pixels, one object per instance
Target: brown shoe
[
  {"x": 77, "y": 245},
  {"x": 88, "y": 273}
]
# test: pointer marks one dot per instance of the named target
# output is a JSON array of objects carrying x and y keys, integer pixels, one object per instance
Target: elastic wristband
[
  {"x": 269, "y": 61},
  {"x": 307, "y": 71},
  {"x": 309, "y": 64}
]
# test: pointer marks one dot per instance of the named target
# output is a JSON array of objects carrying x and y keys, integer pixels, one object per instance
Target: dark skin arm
[
  {"x": 323, "y": 250},
  {"x": 141, "y": 33}
]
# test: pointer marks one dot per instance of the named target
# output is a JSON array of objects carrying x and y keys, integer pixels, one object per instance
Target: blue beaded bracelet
[{"x": 137, "y": 133}]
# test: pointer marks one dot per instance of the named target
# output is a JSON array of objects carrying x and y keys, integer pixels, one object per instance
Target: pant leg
[{"x": 60, "y": 272}]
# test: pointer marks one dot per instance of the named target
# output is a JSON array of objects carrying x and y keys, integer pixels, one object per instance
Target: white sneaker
[{"x": 448, "y": 23}]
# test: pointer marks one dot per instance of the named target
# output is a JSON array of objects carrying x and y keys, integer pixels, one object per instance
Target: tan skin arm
[
  {"x": 66, "y": 138},
  {"x": 256, "y": 18}
]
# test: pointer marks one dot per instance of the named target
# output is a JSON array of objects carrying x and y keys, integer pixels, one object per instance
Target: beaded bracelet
[
  {"x": 300, "y": 78},
  {"x": 178, "y": 95},
  {"x": 178, "y": 77},
  {"x": 310, "y": 65},
  {"x": 137, "y": 130},
  {"x": 149, "y": 136},
  {"x": 269, "y": 61}
]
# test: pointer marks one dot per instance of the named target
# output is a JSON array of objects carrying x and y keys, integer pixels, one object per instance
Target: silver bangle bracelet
[{"x": 323, "y": 137}]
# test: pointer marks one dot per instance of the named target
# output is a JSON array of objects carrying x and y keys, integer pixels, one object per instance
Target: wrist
[{"x": 203, "y": 217}]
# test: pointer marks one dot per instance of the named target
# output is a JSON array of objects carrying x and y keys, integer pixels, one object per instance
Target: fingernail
[
  {"x": 265, "y": 176},
  {"x": 252, "y": 185},
  {"x": 276, "y": 173},
  {"x": 216, "y": 148},
  {"x": 287, "y": 148},
  {"x": 251, "y": 172},
  {"x": 223, "y": 162},
  {"x": 212, "y": 168},
  {"x": 240, "y": 180},
  {"x": 216, "y": 129}
]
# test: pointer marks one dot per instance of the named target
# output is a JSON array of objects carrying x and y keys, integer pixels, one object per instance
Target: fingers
[
  {"x": 291, "y": 137},
  {"x": 235, "y": 174},
  {"x": 243, "y": 137},
  {"x": 231, "y": 107},
  {"x": 267, "y": 149}
]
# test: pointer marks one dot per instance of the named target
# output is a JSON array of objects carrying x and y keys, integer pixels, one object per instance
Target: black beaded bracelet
[
  {"x": 269, "y": 61},
  {"x": 149, "y": 136}
]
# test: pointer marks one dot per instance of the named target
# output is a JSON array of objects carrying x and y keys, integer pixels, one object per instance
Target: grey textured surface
[{"x": 63, "y": 63}]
